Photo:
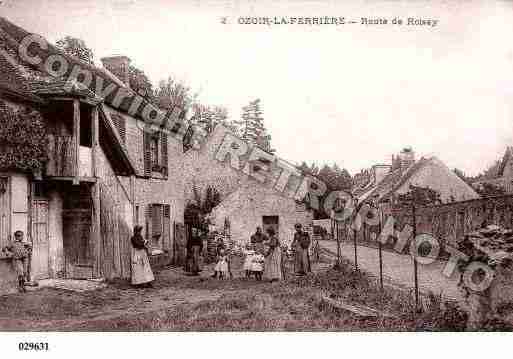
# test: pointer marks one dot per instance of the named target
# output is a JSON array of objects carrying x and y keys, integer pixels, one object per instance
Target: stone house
[
  {"x": 385, "y": 182},
  {"x": 246, "y": 202},
  {"x": 103, "y": 174}
]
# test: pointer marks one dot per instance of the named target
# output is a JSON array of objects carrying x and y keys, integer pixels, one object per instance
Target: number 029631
[{"x": 25, "y": 346}]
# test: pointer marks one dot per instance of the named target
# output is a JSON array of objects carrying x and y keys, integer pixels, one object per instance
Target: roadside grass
[
  {"x": 245, "y": 305},
  {"x": 293, "y": 305}
]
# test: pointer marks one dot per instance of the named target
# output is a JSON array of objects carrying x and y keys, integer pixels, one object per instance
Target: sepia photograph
[{"x": 250, "y": 166}]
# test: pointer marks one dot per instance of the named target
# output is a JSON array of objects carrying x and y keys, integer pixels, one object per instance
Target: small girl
[
  {"x": 257, "y": 265},
  {"x": 222, "y": 267},
  {"x": 249, "y": 254}
]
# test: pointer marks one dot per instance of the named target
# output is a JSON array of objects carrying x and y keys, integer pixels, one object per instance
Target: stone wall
[
  {"x": 246, "y": 207},
  {"x": 158, "y": 189},
  {"x": 449, "y": 222}
]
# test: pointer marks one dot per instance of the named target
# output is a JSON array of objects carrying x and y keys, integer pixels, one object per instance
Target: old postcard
[{"x": 255, "y": 166}]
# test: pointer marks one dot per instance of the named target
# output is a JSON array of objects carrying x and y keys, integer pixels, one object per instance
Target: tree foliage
[
  {"x": 77, "y": 48},
  {"x": 419, "y": 196},
  {"x": 251, "y": 126},
  {"x": 196, "y": 211},
  {"x": 485, "y": 189},
  {"x": 23, "y": 140},
  {"x": 140, "y": 83},
  {"x": 172, "y": 93}
]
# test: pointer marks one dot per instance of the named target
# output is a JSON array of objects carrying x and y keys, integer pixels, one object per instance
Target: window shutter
[
  {"x": 163, "y": 143},
  {"x": 156, "y": 219},
  {"x": 120, "y": 123},
  {"x": 147, "y": 153},
  {"x": 148, "y": 222},
  {"x": 166, "y": 235}
]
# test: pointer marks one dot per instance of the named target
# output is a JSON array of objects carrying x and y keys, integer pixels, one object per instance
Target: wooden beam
[
  {"x": 132, "y": 197},
  {"x": 76, "y": 142},
  {"x": 96, "y": 231},
  {"x": 95, "y": 139}
]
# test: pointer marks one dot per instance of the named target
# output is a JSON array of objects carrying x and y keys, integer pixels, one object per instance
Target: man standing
[
  {"x": 300, "y": 244},
  {"x": 258, "y": 239}
]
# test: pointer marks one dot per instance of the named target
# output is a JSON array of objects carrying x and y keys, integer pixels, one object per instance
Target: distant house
[
  {"x": 386, "y": 182},
  {"x": 503, "y": 178},
  {"x": 245, "y": 202}
]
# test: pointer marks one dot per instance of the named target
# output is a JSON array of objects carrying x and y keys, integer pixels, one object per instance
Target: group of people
[{"x": 263, "y": 257}]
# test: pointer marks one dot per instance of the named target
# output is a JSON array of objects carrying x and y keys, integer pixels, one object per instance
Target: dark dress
[
  {"x": 257, "y": 240},
  {"x": 141, "y": 269},
  {"x": 301, "y": 244}
]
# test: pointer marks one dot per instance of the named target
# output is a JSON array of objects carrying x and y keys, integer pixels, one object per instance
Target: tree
[
  {"x": 23, "y": 139},
  {"x": 140, "y": 83},
  {"x": 196, "y": 211},
  {"x": 252, "y": 128},
  {"x": 485, "y": 189},
  {"x": 77, "y": 48},
  {"x": 171, "y": 94}
]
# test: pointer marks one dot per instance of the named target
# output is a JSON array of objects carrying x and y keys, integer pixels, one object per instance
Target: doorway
[
  {"x": 76, "y": 222},
  {"x": 271, "y": 222}
]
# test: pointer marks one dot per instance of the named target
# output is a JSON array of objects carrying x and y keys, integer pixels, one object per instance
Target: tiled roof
[
  {"x": 61, "y": 87},
  {"x": 391, "y": 183},
  {"x": 11, "y": 79},
  {"x": 16, "y": 34}
]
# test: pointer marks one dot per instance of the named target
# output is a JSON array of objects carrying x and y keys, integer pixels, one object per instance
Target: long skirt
[
  {"x": 302, "y": 261},
  {"x": 141, "y": 269},
  {"x": 195, "y": 266},
  {"x": 273, "y": 265}
]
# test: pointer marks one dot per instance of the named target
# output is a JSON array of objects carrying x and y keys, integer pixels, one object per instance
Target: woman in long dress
[
  {"x": 272, "y": 269},
  {"x": 142, "y": 275}
]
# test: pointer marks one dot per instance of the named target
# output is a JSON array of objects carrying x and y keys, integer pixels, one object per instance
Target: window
[
  {"x": 155, "y": 154},
  {"x": 154, "y": 148},
  {"x": 157, "y": 225},
  {"x": 136, "y": 214}
]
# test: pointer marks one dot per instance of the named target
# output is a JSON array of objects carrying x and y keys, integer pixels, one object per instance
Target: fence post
[
  {"x": 415, "y": 267},
  {"x": 380, "y": 250},
  {"x": 355, "y": 251}
]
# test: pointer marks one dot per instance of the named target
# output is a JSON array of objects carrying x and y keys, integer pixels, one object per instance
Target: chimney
[
  {"x": 379, "y": 172},
  {"x": 406, "y": 158},
  {"x": 118, "y": 66}
]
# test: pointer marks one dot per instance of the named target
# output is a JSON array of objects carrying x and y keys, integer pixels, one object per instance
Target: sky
[{"x": 352, "y": 94}]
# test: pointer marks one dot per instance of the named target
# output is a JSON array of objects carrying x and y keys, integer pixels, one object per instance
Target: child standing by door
[{"x": 20, "y": 251}]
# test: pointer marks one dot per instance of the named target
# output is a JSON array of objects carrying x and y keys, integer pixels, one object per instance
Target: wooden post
[
  {"x": 95, "y": 192},
  {"x": 76, "y": 141},
  {"x": 95, "y": 140}
]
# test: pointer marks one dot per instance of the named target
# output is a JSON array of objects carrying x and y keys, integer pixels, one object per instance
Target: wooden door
[
  {"x": 270, "y": 222},
  {"x": 40, "y": 242},
  {"x": 78, "y": 255}
]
